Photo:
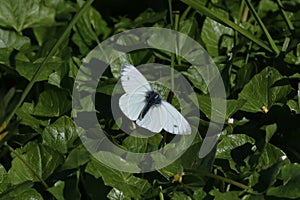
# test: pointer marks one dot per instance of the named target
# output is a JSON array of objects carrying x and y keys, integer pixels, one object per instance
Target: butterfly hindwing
[
  {"x": 175, "y": 122},
  {"x": 154, "y": 119},
  {"x": 132, "y": 105}
]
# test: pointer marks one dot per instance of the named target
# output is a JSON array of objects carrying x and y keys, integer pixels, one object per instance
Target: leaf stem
[
  {"x": 262, "y": 26},
  {"x": 213, "y": 15},
  {"x": 172, "y": 54},
  {"x": 49, "y": 55},
  {"x": 227, "y": 180},
  {"x": 185, "y": 13},
  {"x": 285, "y": 17},
  {"x": 171, "y": 14},
  {"x": 27, "y": 165},
  {"x": 298, "y": 94}
]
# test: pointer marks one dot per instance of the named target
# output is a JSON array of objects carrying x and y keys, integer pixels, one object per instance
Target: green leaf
[
  {"x": 231, "y": 143},
  {"x": 20, "y": 14},
  {"x": 189, "y": 27},
  {"x": 263, "y": 27},
  {"x": 216, "y": 35},
  {"x": 264, "y": 89},
  {"x": 13, "y": 191},
  {"x": 145, "y": 18},
  {"x": 226, "y": 195},
  {"x": 221, "y": 19},
  {"x": 199, "y": 194},
  {"x": 244, "y": 75},
  {"x": 58, "y": 190},
  {"x": 6, "y": 102},
  {"x": 127, "y": 183},
  {"x": 291, "y": 181},
  {"x": 29, "y": 195},
  {"x": 292, "y": 59},
  {"x": 180, "y": 196},
  {"x": 293, "y": 105},
  {"x": 71, "y": 189},
  {"x": 88, "y": 28},
  {"x": 148, "y": 16},
  {"x": 54, "y": 79},
  {"x": 266, "y": 6},
  {"x": 270, "y": 131},
  {"x": 298, "y": 94},
  {"x": 270, "y": 156},
  {"x": 76, "y": 158},
  {"x": 61, "y": 134},
  {"x": 11, "y": 39},
  {"x": 42, "y": 160},
  {"x": 53, "y": 102},
  {"x": 172, "y": 169},
  {"x": 116, "y": 194},
  {"x": 4, "y": 182},
  {"x": 188, "y": 160},
  {"x": 267, "y": 176},
  {"x": 25, "y": 112},
  {"x": 232, "y": 106},
  {"x": 194, "y": 75},
  {"x": 142, "y": 145},
  {"x": 55, "y": 64},
  {"x": 5, "y": 64}
]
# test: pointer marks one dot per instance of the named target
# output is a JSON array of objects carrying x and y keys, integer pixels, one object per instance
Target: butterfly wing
[
  {"x": 154, "y": 119},
  {"x": 136, "y": 87},
  {"x": 132, "y": 105},
  {"x": 175, "y": 123},
  {"x": 133, "y": 81},
  {"x": 159, "y": 116}
]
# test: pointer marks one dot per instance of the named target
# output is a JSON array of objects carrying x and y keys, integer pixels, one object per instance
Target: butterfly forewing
[{"x": 133, "y": 81}]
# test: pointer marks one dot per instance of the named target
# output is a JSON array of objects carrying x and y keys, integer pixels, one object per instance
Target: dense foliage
[{"x": 256, "y": 46}]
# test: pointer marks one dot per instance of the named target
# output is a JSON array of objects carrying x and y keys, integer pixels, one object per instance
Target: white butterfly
[{"x": 143, "y": 105}]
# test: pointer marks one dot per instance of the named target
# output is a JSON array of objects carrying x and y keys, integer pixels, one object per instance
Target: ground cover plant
[{"x": 256, "y": 47}]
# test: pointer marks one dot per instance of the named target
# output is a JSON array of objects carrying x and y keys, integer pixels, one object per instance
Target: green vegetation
[{"x": 256, "y": 47}]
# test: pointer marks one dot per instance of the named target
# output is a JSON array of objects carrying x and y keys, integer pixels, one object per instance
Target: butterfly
[{"x": 142, "y": 104}]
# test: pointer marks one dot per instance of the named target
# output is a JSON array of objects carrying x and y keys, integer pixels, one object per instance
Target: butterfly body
[
  {"x": 144, "y": 106},
  {"x": 152, "y": 99}
]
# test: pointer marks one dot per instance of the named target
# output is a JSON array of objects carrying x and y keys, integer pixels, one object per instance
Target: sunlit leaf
[
  {"x": 264, "y": 89},
  {"x": 3, "y": 179},
  {"x": 125, "y": 182},
  {"x": 291, "y": 178},
  {"x": 42, "y": 160},
  {"x": 20, "y": 14},
  {"x": 58, "y": 190},
  {"x": 61, "y": 134},
  {"x": 216, "y": 36},
  {"x": 53, "y": 102}
]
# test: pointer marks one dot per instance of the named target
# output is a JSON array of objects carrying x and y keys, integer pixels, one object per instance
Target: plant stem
[
  {"x": 285, "y": 17},
  {"x": 213, "y": 15},
  {"x": 49, "y": 55},
  {"x": 171, "y": 14},
  {"x": 262, "y": 26},
  {"x": 172, "y": 54},
  {"x": 227, "y": 180}
]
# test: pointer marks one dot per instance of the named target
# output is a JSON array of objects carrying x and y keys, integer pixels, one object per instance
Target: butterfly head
[{"x": 153, "y": 98}]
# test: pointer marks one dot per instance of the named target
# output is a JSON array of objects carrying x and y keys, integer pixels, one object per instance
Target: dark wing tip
[{"x": 125, "y": 66}]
